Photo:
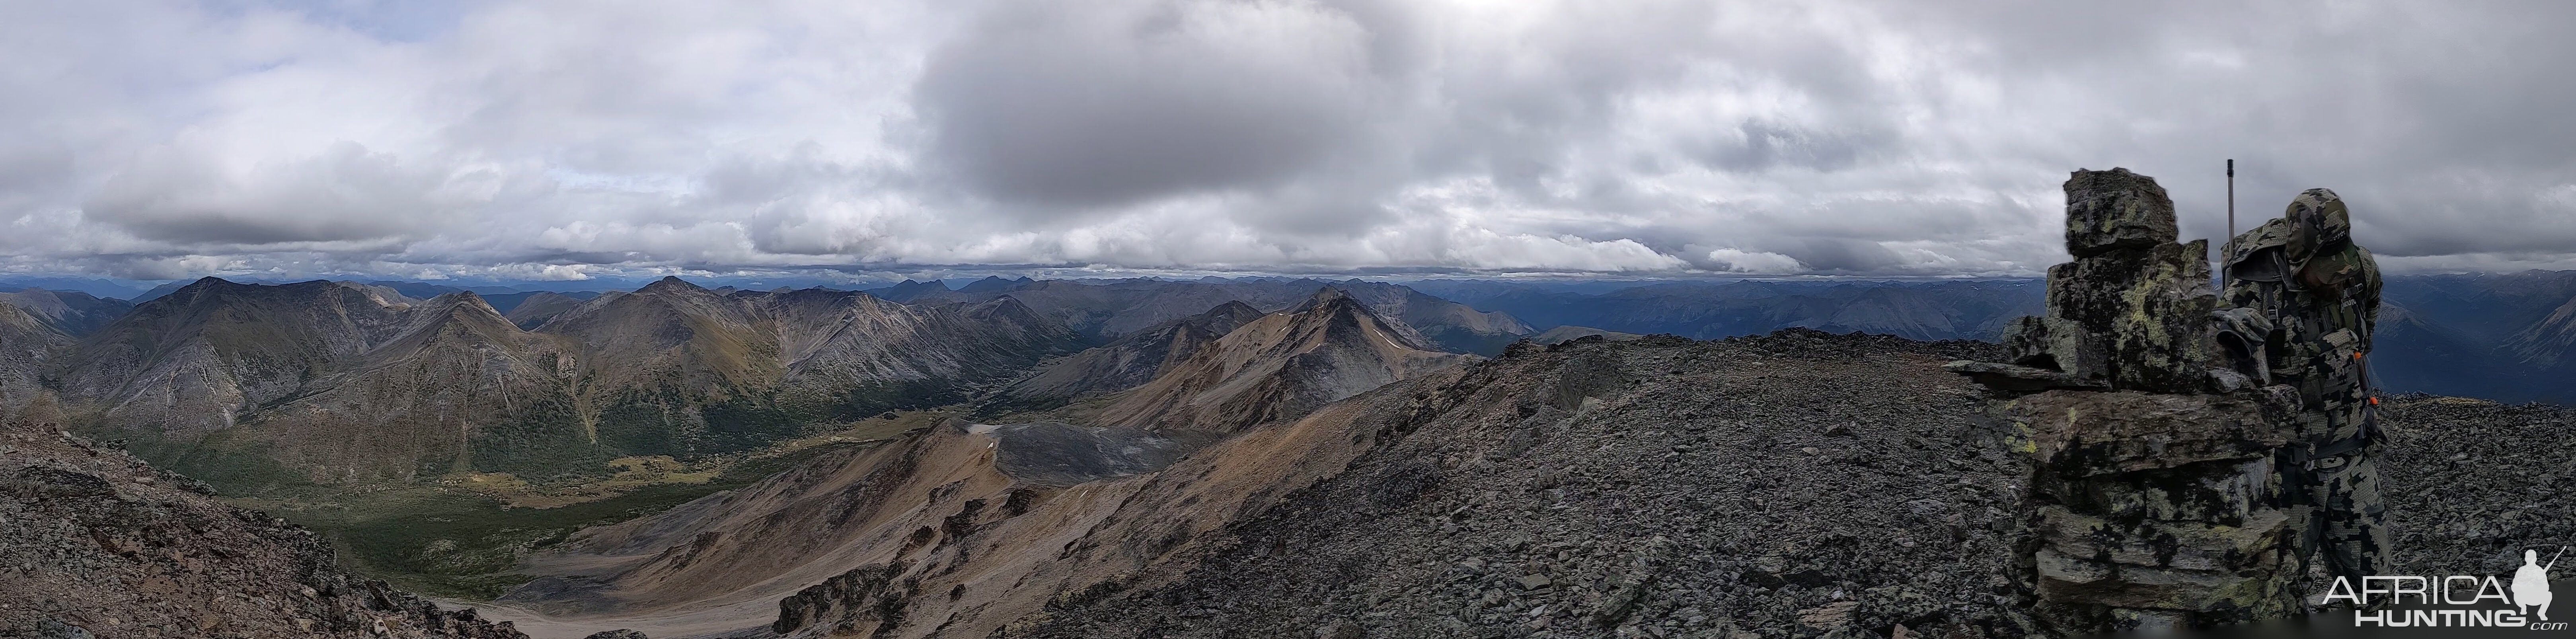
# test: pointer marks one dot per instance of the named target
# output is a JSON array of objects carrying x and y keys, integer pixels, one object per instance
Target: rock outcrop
[
  {"x": 94, "y": 542},
  {"x": 2153, "y": 502}
]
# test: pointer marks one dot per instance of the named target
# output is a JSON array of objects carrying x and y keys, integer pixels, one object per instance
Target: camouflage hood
[{"x": 2316, "y": 222}]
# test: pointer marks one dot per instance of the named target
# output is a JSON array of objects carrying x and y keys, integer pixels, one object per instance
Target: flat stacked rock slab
[{"x": 2152, "y": 501}]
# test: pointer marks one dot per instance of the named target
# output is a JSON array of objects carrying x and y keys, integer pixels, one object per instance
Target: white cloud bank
[{"x": 558, "y": 140}]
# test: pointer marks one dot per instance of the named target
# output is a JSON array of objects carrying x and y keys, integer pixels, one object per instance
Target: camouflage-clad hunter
[{"x": 2312, "y": 295}]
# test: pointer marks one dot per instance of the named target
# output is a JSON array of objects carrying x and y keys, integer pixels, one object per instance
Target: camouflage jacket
[{"x": 2322, "y": 313}]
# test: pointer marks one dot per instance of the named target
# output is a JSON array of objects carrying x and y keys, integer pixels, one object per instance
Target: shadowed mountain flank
[
  {"x": 533, "y": 309},
  {"x": 71, "y": 313},
  {"x": 1127, "y": 362},
  {"x": 26, "y": 343}
]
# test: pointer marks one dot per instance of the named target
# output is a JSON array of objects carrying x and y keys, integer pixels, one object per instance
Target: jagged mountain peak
[
  {"x": 1325, "y": 295},
  {"x": 466, "y": 307},
  {"x": 671, "y": 283},
  {"x": 1277, "y": 367}
]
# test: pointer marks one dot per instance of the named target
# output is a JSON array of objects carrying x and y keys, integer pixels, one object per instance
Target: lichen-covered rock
[
  {"x": 2086, "y": 433},
  {"x": 2138, "y": 318},
  {"x": 2132, "y": 310},
  {"x": 2224, "y": 574},
  {"x": 2156, "y": 509},
  {"x": 2116, "y": 209}
]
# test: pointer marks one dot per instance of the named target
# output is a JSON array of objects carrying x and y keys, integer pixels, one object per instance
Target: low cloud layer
[{"x": 555, "y": 140}]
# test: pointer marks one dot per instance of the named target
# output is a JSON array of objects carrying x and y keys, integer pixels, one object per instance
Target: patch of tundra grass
[{"x": 462, "y": 539}]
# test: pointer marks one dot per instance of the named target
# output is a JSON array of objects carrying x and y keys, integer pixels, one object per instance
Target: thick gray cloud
[{"x": 554, "y": 140}]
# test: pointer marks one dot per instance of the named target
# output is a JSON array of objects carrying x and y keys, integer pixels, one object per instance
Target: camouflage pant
[{"x": 2351, "y": 523}]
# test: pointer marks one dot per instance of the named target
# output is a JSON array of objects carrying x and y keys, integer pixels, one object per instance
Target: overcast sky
[{"x": 570, "y": 138}]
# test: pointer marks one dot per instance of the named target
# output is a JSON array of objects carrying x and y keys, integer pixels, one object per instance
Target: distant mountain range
[
  {"x": 1971, "y": 309},
  {"x": 362, "y": 381},
  {"x": 2507, "y": 337}
]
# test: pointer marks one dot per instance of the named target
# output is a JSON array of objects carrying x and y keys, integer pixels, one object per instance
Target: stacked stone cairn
[{"x": 2152, "y": 501}]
